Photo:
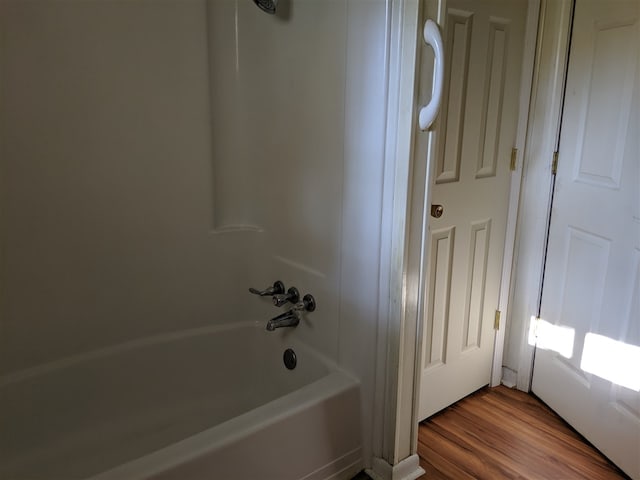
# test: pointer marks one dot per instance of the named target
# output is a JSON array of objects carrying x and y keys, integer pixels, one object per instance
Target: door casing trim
[
  {"x": 526, "y": 83},
  {"x": 535, "y": 193}
]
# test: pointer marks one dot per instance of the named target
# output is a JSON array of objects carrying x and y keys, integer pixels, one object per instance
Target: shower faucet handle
[
  {"x": 308, "y": 303},
  {"x": 292, "y": 296},
  {"x": 276, "y": 289}
]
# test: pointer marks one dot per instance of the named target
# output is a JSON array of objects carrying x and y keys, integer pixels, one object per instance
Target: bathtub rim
[{"x": 70, "y": 361}]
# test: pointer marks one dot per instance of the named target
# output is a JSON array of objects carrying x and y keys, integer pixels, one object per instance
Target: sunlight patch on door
[
  {"x": 548, "y": 336},
  {"x": 612, "y": 360}
]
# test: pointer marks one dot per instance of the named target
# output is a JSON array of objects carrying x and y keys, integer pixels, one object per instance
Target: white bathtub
[{"x": 215, "y": 403}]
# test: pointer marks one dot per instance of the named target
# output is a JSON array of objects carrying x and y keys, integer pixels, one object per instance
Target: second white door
[{"x": 587, "y": 364}]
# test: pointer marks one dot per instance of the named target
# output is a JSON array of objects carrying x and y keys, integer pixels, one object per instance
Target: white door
[
  {"x": 587, "y": 364},
  {"x": 477, "y": 128}
]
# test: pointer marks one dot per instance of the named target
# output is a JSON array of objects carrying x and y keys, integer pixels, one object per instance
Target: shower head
[{"x": 268, "y": 6}]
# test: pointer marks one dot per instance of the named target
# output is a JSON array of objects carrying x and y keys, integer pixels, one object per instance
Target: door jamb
[
  {"x": 526, "y": 82},
  {"x": 535, "y": 193}
]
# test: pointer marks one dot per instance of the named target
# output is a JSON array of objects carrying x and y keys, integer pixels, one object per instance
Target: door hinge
[
  {"x": 554, "y": 163},
  {"x": 496, "y": 321},
  {"x": 514, "y": 159},
  {"x": 536, "y": 322}
]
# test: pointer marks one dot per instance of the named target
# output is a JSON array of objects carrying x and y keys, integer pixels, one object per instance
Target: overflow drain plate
[{"x": 289, "y": 358}]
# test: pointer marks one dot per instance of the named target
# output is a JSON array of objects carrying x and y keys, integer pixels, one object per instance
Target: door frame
[
  {"x": 542, "y": 139},
  {"x": 526, "y": 84},
  {"x": 406, "y": 193}
]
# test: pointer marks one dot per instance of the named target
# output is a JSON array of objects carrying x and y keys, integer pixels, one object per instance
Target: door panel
[
  {"x": 592, "y": 270},
  {"x": 477, "y": 127}
]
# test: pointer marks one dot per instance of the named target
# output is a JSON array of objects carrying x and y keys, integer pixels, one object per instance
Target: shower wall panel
[
  {"x": 105, "y": 179},
  {"x": 278, "y": 108}
]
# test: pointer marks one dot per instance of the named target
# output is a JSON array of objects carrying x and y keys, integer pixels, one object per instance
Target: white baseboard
[
  {"x": 407, "y": 469},
  {"x": 509, "y": 377}
]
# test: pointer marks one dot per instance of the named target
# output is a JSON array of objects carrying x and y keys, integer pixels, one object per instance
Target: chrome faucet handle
[
  {"x": 292, "y": 296},
  {"x": 307, "y": 304},
  {"x": 276, "y": 289}
]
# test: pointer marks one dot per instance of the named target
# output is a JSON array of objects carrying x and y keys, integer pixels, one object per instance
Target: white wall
[{"x": 158, "y": 157}]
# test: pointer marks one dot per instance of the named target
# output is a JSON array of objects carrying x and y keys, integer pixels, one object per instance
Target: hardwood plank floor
[{"x": 504, "y": 433}]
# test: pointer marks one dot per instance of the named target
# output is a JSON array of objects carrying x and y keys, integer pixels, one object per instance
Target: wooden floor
[{"x": 503, "y": 433}]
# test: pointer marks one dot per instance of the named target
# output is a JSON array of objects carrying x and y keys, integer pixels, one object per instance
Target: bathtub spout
[{"x": 290, "y": 318}]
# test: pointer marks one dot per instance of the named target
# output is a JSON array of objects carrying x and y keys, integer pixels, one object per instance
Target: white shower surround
[{"x": 114, "y": 228}]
